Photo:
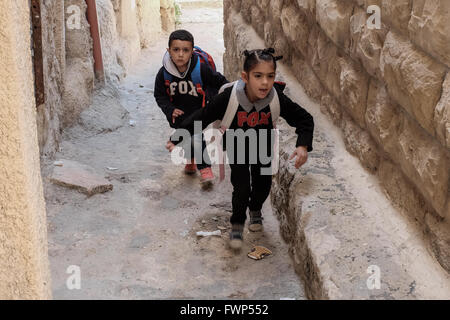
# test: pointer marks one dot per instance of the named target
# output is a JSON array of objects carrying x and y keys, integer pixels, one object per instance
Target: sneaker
[
  {"x": 255, "y": 223},
  {"x": 190, "y": 168},
  {"x": 236, "y": 236},
  {"x": 207, "y": 177}
]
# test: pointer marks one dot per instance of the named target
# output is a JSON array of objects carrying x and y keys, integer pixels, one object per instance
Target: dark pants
[
  {"x": 250, "y": 189},
  {"x": 203, "y": 160}
]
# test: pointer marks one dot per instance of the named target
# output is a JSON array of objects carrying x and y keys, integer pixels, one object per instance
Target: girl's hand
[
  {"x": 302, "y": 156},
  {"x": 170, "y": 146},
  {"x": 176, "y": 113}
]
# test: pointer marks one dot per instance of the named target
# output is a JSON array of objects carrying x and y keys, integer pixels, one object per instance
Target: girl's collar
[{"x": 245, "y": 102}]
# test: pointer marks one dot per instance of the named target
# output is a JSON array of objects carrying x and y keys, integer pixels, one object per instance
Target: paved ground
[{"x": 138, "y": 240}]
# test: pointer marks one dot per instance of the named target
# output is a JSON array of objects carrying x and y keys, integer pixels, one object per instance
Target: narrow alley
[
  {"x": 92, "y": 206},
  {"x": 138, "y": 241}
]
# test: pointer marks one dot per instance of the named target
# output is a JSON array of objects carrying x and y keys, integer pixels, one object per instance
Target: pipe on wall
[{"x": 95, "y": 34}]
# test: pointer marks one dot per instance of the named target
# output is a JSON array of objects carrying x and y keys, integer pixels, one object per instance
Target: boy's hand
[
  {"x": 170, "y": 146},
  {"x": 302, "y": 156},
  {"x": 176, "y": 113}
]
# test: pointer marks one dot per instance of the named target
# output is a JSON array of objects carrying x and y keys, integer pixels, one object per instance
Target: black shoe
[
  {"x": 255, "y": 223},
  {"x": 236, "y": 236}
]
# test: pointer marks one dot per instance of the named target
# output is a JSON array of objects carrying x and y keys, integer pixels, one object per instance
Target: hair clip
[{"x": 246, "y": 53}]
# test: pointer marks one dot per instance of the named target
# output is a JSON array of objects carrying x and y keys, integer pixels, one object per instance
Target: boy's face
[
  {"x": 181, "y": 51},
  {"x": 259, "y": 81}
]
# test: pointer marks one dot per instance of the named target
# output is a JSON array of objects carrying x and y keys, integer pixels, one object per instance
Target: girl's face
[
  {"x": 259, "y": 81},
  {"x": 180, "y": 51}
]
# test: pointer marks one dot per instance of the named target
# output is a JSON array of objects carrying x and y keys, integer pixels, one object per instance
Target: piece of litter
[
  {"x": 259, "y": 252},
  {"x": 203, "y": 222},
  {"x": 208, "y": 233},
  {"x": 185, "y": 221},
  {"x": 221, "y": 228},
  {"x": 215, "y": 218},
  {"x": 184, "y": 233},
  {"x": 132, "y": 123},
  {"x": 112, "y": 168},
  {"x": 58, "y": 163}
]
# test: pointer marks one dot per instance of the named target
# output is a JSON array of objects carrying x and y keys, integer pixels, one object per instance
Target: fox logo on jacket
[
  {"x": 253, "y": 119},
  {"x": 183, "y": 87}
]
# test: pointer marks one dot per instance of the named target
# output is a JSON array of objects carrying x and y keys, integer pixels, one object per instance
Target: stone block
[
  {"x": 354, "y": 84},
  {"x": 295, "y": 27},
  {"x": 360, "y": 144},
  {"x": 442, "y": 115},
  {"x": 424, "y": 161},
  {"x": 397, "y": 14},
  {"x": 80, "y": 177},
  {"x": 429, "y": 27},
  {"x": 413, "y": 79},
  {"x": 367, "y": 44},
  {"x": 334, "y": 18},
  {"x": 382, "y": 117}
]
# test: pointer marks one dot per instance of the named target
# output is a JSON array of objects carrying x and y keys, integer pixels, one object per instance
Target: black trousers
[
  {"x": 250, "y": 189},
  {"x": 203, "y": 160}
]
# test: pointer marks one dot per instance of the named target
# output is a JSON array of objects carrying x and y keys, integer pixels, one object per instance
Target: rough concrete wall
[
  {"x": 24, "y": 267},
  {"x": 388, "y": 89},
  {"x": 129, "y": 43},
  {"x": 79, "y": 74},
  {"x": 168, "y": 15},
  {"x": 114, "y": 71},
  {"x": 48, "y": 114},
  {"x": 149, "y": 21}
]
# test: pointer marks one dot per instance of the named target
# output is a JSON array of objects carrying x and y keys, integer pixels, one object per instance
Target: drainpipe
[{"x": 95, "y": 34}]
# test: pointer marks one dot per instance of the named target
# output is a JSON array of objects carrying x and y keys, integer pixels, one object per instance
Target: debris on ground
[
  {"x": 208, "y": 233},
  {"x": 224, "y": 205},
  {"x": 259, "y": 252},
  {"x": 80, "y": 177}
]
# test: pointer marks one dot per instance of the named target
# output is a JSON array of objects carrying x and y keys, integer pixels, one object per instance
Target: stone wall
[
  {"x": 24, "y": 265},
  {"x": 168, "y": 15},
  {"x": 48, "y": 113},
  {"x": 388, "y": 89},
  {"x": 126, "y": 26}
]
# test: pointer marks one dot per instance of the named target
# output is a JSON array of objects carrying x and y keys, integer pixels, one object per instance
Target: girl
[{"x": 254, "y": 92}]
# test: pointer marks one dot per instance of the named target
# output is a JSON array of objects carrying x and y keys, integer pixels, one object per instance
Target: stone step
[
  {"x": 344, "y": 233},
  {"x": 78, "y": 176}
]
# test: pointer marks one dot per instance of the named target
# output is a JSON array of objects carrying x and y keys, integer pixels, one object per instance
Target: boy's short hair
[{"x": 181, "y": 34}]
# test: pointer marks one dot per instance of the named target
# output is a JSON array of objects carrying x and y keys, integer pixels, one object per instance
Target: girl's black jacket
[{"x": 294, "y": 114}]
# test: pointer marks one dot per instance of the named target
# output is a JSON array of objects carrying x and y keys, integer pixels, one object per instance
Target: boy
[{"x": 179, "y": 95}]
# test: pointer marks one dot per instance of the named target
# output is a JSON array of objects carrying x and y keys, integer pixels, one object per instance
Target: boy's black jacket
[
  {"x": 188, "y": 102},
  {"x": 294, "y": 115}
]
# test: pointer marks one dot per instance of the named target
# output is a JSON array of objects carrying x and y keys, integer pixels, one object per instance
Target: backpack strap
[
  {"x": 275, "y": 108},
  {"x": 205, "y": 57},
  {"x": 197, "y": 79},
  {"x": 232, "y": 107},
  {"x": 167, "y": 80}
]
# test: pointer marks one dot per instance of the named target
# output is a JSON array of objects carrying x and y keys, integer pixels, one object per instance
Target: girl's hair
[{"x": 253, "y": 57}]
